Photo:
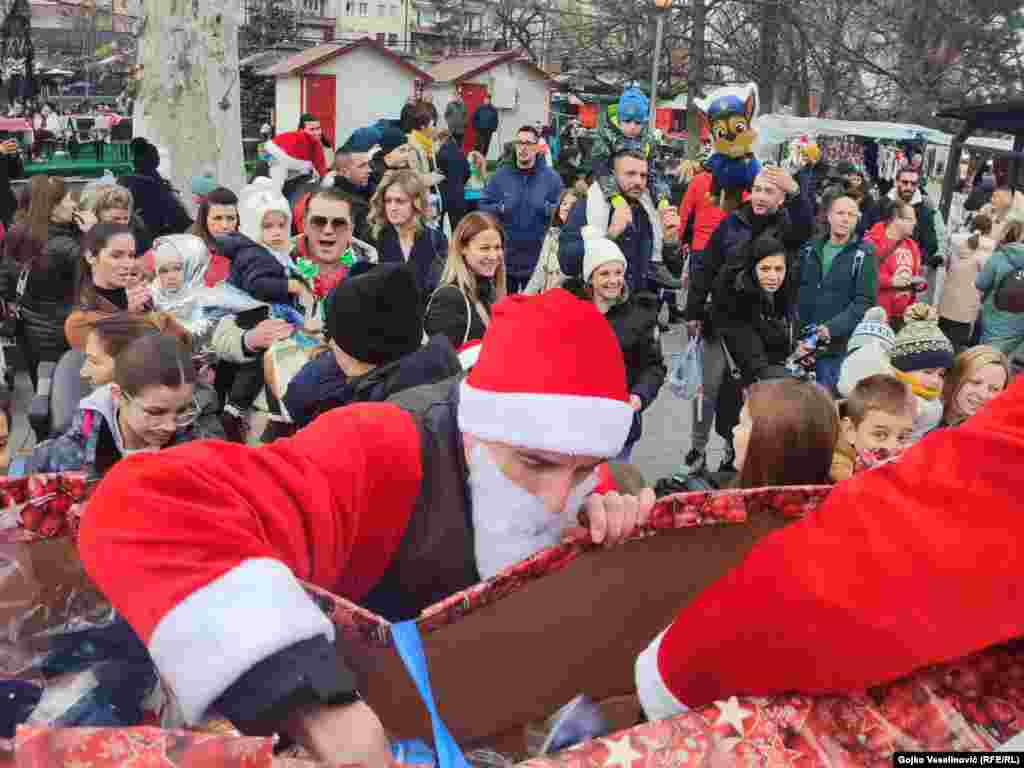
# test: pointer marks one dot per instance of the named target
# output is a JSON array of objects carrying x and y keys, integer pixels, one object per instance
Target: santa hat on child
[
  {"x": 255, "y": 201},
  {"x": 550, "y": 377}
]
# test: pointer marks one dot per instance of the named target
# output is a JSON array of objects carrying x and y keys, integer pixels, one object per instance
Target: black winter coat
[
  {"x": 446, "y": 313},
  {"x": 427, "y": 257},
  {"x": 486, "y": 118},
  {"x": 452, "y": 162},
  {"x": 322, "y": 386},
  {"x": 635, "y": 322},
  {"x": 360, "y": 206},
  {"x": 254, "y": 269},
  {"x": 758, "y": 328},
  {"x": 10, "y": 168},
  {"x": 157, "y": 204}
]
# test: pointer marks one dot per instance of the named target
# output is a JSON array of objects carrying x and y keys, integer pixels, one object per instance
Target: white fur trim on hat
[
  {"x": 597, "y": 251},
  {"x": 255, "y": 201},
  {"x": 573, "y": 424}
]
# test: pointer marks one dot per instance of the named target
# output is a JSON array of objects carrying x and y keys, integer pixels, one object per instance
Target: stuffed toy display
[{"x": 728, "y": 115}]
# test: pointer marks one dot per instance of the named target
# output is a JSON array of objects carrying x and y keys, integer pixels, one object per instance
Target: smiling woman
[{"x": 977, "y": 376}]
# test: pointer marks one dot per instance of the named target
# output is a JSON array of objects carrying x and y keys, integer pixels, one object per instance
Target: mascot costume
[{"x": 728, "y": 115}]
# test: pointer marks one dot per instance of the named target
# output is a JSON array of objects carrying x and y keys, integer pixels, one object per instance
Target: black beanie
[
  {"x": 377, "y": 317},
  {"x": 145, "y": 156}
]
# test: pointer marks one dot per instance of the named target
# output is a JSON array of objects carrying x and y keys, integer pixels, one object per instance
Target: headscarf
[{"x": 194, "y": 255}]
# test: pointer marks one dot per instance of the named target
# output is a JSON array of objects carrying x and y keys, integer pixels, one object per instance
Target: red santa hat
[{"x": 550, "y": 376}]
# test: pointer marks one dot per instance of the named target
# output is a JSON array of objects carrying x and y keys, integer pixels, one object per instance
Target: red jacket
[
  {"x": 894, "y": 259},
  {"x": 907, "y": 565},
  {"x": 706, "y": 215}
]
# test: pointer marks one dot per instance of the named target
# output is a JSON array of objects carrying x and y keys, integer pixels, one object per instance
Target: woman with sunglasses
[{"x": 149, "y": 405}]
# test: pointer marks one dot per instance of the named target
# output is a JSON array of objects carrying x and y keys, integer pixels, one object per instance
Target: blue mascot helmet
[{"x": 724, "y": 106}]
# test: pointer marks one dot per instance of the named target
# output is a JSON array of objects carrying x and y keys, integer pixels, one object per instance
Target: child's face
[
  {"x": 931, "y": 378},
  {"x": 881, "y": 431},
  {"x": 171, "y": 275},
  {"x": 275, "y": 230},
  {"x": 567, "y": 203},
  {"x": 630, "y": 129}
]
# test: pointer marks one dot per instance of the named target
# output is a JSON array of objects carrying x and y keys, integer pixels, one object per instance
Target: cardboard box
[{"x": 569, "y": 620}]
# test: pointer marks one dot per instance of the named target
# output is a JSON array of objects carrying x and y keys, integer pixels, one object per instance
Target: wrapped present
[
  {"x": 969, "y": 705},
  {"x": 142, "y": 747},
  {"x": 573, "y": 618}
]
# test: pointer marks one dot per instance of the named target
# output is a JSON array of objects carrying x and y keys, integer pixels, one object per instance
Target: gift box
[
  {"x": 974, "y": 704},
  {"x": 570, "y": 620}
]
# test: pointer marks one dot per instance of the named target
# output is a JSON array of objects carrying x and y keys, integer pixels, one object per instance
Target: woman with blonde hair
[
  {"x": 978, "y": 375},
  {"x": 398, "y": 220},
  {"x": 472, "y": 282}
]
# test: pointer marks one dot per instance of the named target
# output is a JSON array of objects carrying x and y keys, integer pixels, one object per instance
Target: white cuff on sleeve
[
  {"x": 657, "y": 700},
  {"x": 218, "y": 633}
]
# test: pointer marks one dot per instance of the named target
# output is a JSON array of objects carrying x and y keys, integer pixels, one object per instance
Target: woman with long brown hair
[
  {"x": 39, "y": 263},
  {"x": 786, "y": 435},
  {"x": 472, "y": 282}
]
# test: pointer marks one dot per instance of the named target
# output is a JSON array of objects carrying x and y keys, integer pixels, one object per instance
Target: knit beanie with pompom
[
  {"x": 874, "y": 327},
  {"x": 920, "y": 344}
]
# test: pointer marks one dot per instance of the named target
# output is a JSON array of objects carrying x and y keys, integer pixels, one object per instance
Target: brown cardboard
[{"x": 576, "y": 630}]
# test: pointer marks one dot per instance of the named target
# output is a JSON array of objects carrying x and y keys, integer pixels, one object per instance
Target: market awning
[{"x": 779, "y": 129}]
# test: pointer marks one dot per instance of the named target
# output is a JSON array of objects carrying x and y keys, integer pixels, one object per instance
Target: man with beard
[
  {"x": 926, "y": 233},
  {"x": 394, "y": 505},
  {"x": 522, "y": 197},
  {"x": 640, "y": 231},
  {"x": 778, "y": 208}
]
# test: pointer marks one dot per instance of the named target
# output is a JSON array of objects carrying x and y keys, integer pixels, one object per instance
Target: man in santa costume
[
  {"x": 394, "y": 505},
  {"x": 911, "y": 564},
  {"x": 298, "y": 153}
]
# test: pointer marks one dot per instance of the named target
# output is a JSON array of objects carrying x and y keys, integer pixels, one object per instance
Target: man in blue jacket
[
  {"x": 523, "y": 198},
  {"x": 485, "y": 123}
]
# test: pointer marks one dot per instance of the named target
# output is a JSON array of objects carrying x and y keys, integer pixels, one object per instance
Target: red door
[
  {"x": 473, "y": 95},
  {"x": 319, "y": 97}
]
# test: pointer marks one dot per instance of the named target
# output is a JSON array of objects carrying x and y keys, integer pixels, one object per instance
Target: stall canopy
[{"x": 780, "y": 129}]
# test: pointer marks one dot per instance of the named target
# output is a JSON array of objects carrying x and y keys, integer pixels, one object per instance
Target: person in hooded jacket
[
  {"x": 374, "y": 329},
  {"x": 999, "y": 328},
  {"x": 899, "y": 259},
  {"x": 155, "y": 200},
  {"x": 754, "y": 307},
  {"x": 633, "y": 317},
  {"x": 150, "y": 405}
]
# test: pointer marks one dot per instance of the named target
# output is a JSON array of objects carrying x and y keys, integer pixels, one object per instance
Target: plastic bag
[{"x": 686, "y": 372}]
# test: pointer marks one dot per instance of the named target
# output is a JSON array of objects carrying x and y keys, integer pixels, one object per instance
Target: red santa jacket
[
  {"x": 706, "y": 215},
  {"x": 901, "y": 259},
  {"x": 201, "y": 550},
  {"x": 913, "y": 563}
]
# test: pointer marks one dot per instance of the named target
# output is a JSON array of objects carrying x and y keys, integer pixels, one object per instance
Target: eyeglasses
[
  {"x": 181, "y": 419},
  {"x": 526, "y": 144},
  {"x": 320, "y": 222}
]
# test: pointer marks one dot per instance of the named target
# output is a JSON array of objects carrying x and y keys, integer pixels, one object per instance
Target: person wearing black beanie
[
  {"x": 374, "y": 326},
  {"x": 156, "y": 202}
]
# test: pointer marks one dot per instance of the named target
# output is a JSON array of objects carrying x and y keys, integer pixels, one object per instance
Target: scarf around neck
[{"x": 925, "y": 393}]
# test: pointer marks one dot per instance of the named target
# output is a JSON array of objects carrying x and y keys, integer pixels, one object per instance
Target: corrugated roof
[
  {"x": 470, "y": 65},
  {"x": 322, "y": 53}
]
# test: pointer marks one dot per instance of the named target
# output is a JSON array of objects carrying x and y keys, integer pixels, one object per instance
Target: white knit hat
[
  {"x": 598, "y": 250},
  {"x": 255, "y": 201}
]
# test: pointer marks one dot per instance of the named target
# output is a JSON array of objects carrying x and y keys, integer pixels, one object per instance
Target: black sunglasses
[{"x": 320, "y": 222}]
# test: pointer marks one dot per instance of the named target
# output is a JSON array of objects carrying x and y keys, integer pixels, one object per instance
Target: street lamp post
[{"x": 660, "y": 6}]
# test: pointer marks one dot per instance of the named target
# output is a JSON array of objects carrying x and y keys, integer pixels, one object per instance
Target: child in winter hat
[
  {"x": 869, "y": 351},
  {"x": 265, "y": 217},
  {"x": 632, "y": 132},
  {"x": 921, "y": 356}
]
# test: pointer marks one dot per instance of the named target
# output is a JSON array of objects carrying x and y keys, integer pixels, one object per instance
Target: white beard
[{"x": 509, "y": 523}]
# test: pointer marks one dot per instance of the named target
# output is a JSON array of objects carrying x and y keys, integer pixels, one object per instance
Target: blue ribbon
[{"x": 406, "y": 638}]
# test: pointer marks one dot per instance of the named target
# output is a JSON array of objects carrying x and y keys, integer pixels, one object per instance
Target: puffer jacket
[
  {"x": 1002, "y": 330},
  {"x": 758, "y": 328},
  {"x": 427, "y": 257},
  {"x": 321, "y": 385},
  {"x": 839, "y": 299},
  {"x": 450, "y": 312},
  {"x": 523, "y": 202},
  {"x": 255, "y": 270},
  {"x": 635, "y": 322}
]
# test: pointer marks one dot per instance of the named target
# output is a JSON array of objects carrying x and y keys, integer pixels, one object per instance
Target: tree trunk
[
  {"x": 695, "y": 77},
  {"x": 188, "y": 103},
  {"x": 769, "y": 54}
]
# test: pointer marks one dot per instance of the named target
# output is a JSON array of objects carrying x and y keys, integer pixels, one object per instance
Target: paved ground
[{"x": 666, "y": 423}]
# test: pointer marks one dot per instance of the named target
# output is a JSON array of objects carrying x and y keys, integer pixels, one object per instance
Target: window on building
[
  {"x": 364, "y": 9},
  {"x": 392, "y": 39},
  {"x": 381, "y": 37},
  {"x": 395, "y": 10},
  {"x": 313, "y": 6},
  {"x": 349, "y": 7},
  {"x": 382, "y": 9}
]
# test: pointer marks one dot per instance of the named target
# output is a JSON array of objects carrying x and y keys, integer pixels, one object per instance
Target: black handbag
[{"x": 12, "y": 313}]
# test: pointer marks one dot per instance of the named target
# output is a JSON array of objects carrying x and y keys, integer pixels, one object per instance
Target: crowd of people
[{"x": 442, "y": 406}]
